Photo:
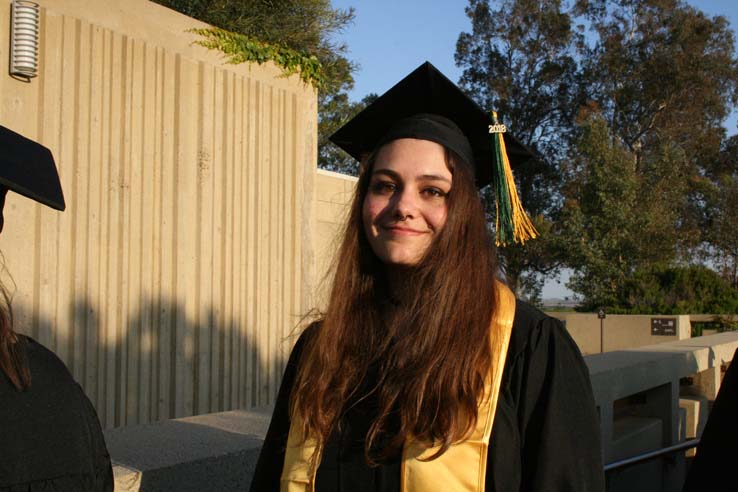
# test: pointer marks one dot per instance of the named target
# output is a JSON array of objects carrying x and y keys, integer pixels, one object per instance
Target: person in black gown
[
  {"x": 414, "y": 339},
  {"x": 50, "y": 436},
  {"x": 712, "y": 467}
]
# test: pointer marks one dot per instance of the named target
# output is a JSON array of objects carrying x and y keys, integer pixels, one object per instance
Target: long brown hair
[
  {"x": 13, "y": 360},
  {"x": 430, "y": 344}
]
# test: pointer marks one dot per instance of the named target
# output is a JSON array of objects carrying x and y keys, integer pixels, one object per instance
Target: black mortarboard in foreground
[
  {"x": 420, "y": 106},
  {"x": 428, "y": 106},
  {"x": 28, "y": 168}
]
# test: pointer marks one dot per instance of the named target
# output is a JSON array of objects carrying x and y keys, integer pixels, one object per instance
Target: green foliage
[
  {"x": 306, "y": 26},
  {"x": 526, "y": 265},
  {"x": 240, "y": 48},
  {"x": 726, "y": 323},
  {"x": 602, "y": 199},
  {"x": 517, "y": 59},
  {"x": 723, "y": 232},
  {"x": 336, "y": 112},
  {"x": 659, "y": 70},
  {"x": 628, "y": 120},
  {"x": 721, "y": 215},
  {"x": 617, "y": 218},
  {"x": 663, "y": 75},
  {"x": 718, "y": 323},
  {"x": 676, "y": 290},
  {"x": 299, "y": 36}
]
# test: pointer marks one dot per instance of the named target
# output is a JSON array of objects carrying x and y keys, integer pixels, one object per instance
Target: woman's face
[{"x": 407, "y": 201}]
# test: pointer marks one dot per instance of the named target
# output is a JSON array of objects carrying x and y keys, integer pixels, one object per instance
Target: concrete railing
[
  {"x": 641, "y": 395},
  {"x": 646, "y": 402}
]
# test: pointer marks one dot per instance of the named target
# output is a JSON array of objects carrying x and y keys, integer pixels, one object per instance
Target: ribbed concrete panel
[
  {"x": 334, "y": 195},
  {"x": 170, "y": 284}
]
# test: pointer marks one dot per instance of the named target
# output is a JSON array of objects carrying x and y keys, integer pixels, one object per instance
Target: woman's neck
[{"x": 399, "y": 279}]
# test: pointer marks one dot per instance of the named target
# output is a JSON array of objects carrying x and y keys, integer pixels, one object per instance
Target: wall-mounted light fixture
[{"x": 24, "y": 34}]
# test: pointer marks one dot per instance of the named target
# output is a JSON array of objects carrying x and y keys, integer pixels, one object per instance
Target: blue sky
[{"x": 389, "y": 38}]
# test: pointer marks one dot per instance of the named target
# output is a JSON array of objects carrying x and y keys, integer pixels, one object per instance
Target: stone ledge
[
  {"x": 621, "y": 373},
  {"x": 216, "y": 451}
]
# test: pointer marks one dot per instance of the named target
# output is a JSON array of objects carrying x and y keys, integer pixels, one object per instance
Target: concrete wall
[
  {"x": 333, "y": 195},
  {"x": 621, "y": 331},
  {"x": 185, "y": 255}
]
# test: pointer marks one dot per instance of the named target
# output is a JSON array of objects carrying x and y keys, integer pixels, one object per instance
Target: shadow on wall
[{"x": 161, "y": 364}]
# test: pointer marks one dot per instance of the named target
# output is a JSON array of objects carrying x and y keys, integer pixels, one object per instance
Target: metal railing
[{"x": 640, "y": 458}]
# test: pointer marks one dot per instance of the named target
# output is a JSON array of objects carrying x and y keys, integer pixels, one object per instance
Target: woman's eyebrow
[
  {"x": 388, "y": 172},
  {"x": 423, "y": 177},
  {"x": 433, "y": 177}
]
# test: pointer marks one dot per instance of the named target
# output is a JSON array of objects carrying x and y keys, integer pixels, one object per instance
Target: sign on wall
[{"x": 664, "y": 326}]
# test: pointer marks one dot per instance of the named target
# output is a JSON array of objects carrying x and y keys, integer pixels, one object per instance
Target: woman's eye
[
  {"x": 384, "y": 187},
  {"x": 434, "y": 192}
]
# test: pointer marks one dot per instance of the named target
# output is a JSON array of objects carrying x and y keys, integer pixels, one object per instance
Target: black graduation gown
[
  {"x": 713, "y": 467},
  {"x": 50, "y": 436},
  {"x": 545, "y": 435}
]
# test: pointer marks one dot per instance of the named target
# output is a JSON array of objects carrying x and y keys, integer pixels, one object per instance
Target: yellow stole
[{"x": 461, "y": 468}]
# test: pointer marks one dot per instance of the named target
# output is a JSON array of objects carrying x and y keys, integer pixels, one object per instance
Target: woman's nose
[{"x": 405, "y": 206}]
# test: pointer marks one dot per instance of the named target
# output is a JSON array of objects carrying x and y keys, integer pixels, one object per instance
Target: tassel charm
[{"x": 512, "y": 223}]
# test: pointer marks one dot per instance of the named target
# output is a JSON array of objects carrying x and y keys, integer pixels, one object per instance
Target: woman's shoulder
[
  {"x": 529, "y": 321},
  {"x": 303, "y": 337},
  {"x": 41, "y": 359},
  {"x": 49, "y": 374},
  {"x": 532, "y": 327},
  {"x": 53, "y": 411},
  {"x": 37, "y": 350}
]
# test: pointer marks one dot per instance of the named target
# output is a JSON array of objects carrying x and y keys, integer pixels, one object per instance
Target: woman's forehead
[{"x": 409, "y": 156}]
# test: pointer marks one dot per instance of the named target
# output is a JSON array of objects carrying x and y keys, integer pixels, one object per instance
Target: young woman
[
  {"x": 425, "y": 374},
  {"x": 50, "y": 436}
]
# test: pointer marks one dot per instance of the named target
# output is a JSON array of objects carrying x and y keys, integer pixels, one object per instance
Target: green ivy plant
[{"x": 240, "y": 48}]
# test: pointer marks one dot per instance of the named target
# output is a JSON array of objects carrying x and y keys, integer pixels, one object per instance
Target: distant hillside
[{"x": 556, "y": 304}]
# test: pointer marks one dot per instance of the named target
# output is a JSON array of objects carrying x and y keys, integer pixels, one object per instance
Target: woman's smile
[{"x": 403, "y": 231}]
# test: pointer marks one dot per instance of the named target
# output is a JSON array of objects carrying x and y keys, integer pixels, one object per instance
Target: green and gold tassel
[{"x": 512, "y": 224}]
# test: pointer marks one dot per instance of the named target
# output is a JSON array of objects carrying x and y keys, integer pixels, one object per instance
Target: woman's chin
[{"x": 401, "y": 260}]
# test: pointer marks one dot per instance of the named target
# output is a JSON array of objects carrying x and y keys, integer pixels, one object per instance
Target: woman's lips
[{"x": 403, "y": 231}]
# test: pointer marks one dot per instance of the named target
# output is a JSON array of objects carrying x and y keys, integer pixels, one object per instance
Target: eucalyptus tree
[{"x": 519, "y": 59}]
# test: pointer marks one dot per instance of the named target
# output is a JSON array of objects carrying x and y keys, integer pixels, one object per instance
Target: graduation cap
[
  {"x": 28, "y": 168},
  {"x": 428, "y": 106}
]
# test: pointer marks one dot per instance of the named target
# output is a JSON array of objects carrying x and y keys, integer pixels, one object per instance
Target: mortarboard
[
  {"x": 428, "y": 106},
  {"x": 28, "y": 168}
]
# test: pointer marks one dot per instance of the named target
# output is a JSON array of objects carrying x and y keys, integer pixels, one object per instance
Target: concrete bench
[{"x": 217, "y": 451}]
